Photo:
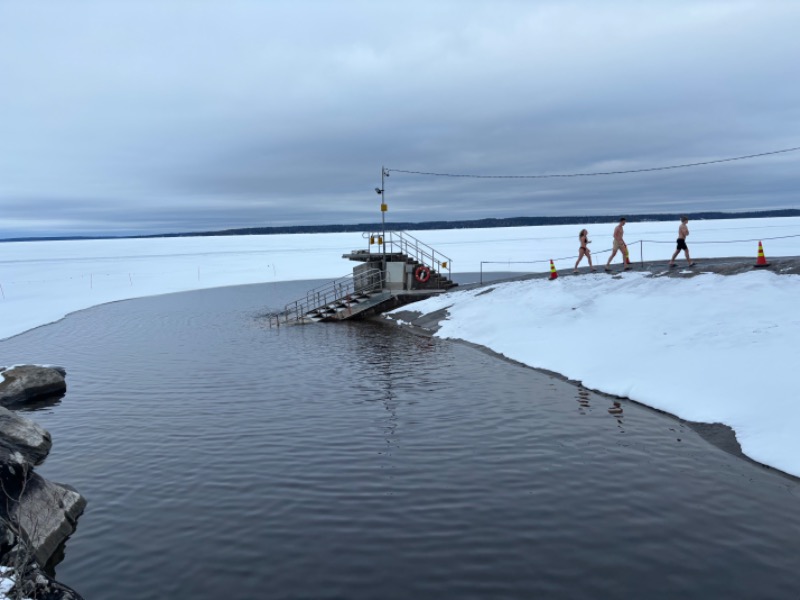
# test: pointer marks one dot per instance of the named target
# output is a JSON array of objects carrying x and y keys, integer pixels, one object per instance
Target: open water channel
[{"x": 224, "y": 459}]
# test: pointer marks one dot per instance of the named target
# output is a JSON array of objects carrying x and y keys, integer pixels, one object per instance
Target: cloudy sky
[{"x": 153, "y": 116}]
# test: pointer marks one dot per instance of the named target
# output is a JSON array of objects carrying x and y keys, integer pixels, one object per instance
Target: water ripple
[{"x": 224, "y": 458}]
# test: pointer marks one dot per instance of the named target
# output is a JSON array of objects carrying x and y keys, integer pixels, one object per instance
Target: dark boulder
[
  {"x": 24, "y": 383},
  {"x": 22, "y": 441},
  {"x": 36, "y": 515}
]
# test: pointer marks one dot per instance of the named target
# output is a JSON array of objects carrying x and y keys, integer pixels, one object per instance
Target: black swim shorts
[{"x": 682, "y": 244}]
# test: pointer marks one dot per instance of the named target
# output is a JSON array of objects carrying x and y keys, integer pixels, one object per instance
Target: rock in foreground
[
  {"x": 36, "y": 515},
  {"x": 24, "y": 383}
]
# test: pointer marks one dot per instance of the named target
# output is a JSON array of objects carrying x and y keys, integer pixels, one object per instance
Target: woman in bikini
[{"x": 583, "y": 236}]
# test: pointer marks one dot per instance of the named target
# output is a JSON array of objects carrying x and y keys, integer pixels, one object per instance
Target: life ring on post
[{"x": 422, "y": 274}]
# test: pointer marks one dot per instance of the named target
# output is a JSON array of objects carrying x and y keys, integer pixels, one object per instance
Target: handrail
[
  {"x": 339, "y": 290},
  {"x": 327, "y": 295},
  {"x": 631, "y": 246},
  {"x": 405, "y": 243}
]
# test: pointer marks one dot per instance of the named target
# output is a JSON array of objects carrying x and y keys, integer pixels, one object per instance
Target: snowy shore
[
  {"x": 703, "y": 346},
  {"x": 708, "y": 348}
]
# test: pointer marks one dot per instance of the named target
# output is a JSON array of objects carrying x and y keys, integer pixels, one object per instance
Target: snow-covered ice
[{"x": 708, "y": 348}]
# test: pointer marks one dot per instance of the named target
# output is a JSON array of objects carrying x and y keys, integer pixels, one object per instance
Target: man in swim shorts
[
  {"x": 619, "y": 245},
  {"x": 683, "y": 233}
]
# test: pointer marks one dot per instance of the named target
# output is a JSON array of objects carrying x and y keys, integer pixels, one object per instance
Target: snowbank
[{"x": 709, "y": 348}]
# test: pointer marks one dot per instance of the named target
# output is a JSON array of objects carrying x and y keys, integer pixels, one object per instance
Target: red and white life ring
[{"x": 422, "y": 274}]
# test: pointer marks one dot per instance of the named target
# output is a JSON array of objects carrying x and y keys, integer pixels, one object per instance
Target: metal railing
[
  {"x": 546, "y": 261},
  {"x": 632, "y": 246},
  {"x": 405, "y": 243},
  {"x": 329, "y": 296}
]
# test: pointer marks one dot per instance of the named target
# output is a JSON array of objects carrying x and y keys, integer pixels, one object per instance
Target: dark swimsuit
[{"x": 682, "y": 244}]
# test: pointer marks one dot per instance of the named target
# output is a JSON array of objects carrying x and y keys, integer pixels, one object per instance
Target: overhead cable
[{"x": 597, "y": 173}]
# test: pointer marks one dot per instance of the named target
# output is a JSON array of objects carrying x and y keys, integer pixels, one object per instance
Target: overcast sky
[{"x": 153, "y": 116}]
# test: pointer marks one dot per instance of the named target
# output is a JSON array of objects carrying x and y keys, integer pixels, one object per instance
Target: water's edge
[{"x": 719, "y": 435}]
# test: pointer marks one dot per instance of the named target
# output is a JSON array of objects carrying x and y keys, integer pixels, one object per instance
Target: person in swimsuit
[
  {"x": 683, "y": 233},
  {"x": 583, "y": 236},
  {"x": 619, "y": 244}
]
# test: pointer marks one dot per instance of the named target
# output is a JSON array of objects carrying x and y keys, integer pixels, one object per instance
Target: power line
[
  {"x": 595, "y": 174},
  {"x": 780, "y": 237}
]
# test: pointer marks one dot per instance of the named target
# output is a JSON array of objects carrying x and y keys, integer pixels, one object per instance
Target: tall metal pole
[
  {"x": 383, "y": 213},
  {"x": 384, "y": 207}
]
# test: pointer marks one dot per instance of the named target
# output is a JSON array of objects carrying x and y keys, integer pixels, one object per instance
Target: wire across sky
[{"x": 597, "y": 173}]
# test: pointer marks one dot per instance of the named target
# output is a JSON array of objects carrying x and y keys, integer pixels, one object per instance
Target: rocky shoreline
[{"x": 37, "y": 515}]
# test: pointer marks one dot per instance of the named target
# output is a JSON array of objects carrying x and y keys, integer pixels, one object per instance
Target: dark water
[{"x": 223, "y": 459}]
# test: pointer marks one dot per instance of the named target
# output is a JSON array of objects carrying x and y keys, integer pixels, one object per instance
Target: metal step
[{"x": 350, "y": 311}]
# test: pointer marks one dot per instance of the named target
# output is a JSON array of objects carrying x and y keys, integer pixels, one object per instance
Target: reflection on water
[
  {"x": 37, "y": 404},
  {"x": 221, "y": 458},
  {"x": 583, "y": 400},
  {"x": 616, "y": 409}
]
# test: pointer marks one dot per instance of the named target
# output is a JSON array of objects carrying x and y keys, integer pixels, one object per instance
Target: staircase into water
[{"x": 395, "y": 269}]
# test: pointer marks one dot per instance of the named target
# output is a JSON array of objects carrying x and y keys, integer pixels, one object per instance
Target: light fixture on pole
[{"x": 381, "y": 191}]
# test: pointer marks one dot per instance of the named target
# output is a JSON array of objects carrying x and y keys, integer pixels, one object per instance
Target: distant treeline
[
  {"x": 475, "y": 224},
  {"x": 486, "y": 223}
]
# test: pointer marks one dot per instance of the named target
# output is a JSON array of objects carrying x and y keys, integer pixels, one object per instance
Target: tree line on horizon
[
  {"x": 457, "y": 224},
  {"x": 485, "y": 223}
]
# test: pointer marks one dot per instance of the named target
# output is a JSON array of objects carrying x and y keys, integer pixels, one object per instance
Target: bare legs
[
  {"x": 678, "y": 251},
  {"x": 624, "y": 250},
  {"x": 581, "y": 253}
]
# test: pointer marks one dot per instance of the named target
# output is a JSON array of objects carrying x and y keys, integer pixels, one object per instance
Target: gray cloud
[{"x": 146, "y": 117}]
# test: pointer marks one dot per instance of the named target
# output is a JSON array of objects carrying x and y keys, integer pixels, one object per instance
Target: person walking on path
[
  {"x": 619, "y": 244},
  {"x": 583, "y": 236},
  {"x": 683, "y": 233}
]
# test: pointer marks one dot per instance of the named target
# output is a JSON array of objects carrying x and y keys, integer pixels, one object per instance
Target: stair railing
[
  {"x": 328, "y": 295},
  {"x": 405, "y": 243}
]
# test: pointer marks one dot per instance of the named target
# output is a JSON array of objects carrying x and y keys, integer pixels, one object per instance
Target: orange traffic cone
[
  {"x": 761, "y": 261},
  {"x": 553, "y": 273}
]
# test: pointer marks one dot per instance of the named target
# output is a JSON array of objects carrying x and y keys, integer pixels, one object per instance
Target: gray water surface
[{"x": 224, "y": 459}]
